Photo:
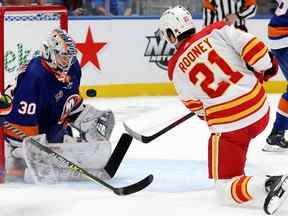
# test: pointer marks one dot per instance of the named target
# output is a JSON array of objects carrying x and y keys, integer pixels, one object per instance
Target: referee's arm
[
  {"x": 248, "y": 10},
  {"x": 209, "y": 12}
]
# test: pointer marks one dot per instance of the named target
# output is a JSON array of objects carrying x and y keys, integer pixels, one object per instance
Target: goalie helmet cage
[{"x": 16, "y": 21}]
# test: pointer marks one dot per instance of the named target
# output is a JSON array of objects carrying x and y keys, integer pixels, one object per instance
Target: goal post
[{"x": 22, "y": 30}]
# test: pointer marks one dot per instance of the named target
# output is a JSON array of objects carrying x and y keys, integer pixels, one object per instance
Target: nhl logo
[{"x": 158, "y": 50}]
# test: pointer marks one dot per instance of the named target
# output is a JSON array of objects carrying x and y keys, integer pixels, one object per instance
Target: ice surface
[{"x": 178, "y": 161}]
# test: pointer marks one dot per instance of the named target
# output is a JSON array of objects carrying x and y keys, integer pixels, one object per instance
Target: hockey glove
[
  {"x": 95, "y": 124},
  {"x": 267, "y": 74},
  {"x": 105, "y": 124},
  {"x": 201, "y": 114},
  {"x": 5, "y": 105},
  {"x": 273, "y": 70}
]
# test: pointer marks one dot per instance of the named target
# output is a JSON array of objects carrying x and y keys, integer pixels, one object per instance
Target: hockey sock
[
  {"x": 281, "y": 122},
  {"x": 243, "y": 190}
]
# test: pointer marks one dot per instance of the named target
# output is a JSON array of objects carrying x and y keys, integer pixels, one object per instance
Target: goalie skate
[{"x": 277, "y": 195}]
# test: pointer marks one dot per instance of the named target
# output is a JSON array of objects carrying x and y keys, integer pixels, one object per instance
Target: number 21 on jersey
[{"x": 202, "y": 68}]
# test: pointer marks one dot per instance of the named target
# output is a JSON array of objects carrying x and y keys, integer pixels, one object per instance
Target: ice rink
[{"x": 177, "y": 159}]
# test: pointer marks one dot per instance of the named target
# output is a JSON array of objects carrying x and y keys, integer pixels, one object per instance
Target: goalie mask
[
  {"x": 174, "y": 22},
  {"x": 59, "y": 50}
]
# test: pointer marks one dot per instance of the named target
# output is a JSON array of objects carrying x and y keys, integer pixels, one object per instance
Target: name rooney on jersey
[{"x": 193, "y": 52}]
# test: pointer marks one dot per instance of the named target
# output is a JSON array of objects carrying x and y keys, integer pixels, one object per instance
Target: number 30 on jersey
[{"x": 27, "y": 108}]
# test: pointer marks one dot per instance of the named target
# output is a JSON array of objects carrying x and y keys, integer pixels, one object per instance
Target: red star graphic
[{"x": 89, "y": 50}]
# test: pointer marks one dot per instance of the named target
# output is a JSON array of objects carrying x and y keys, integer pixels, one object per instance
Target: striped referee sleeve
[
  {"x": 248, "y": 9},
  {"x": 209, "y": 16},
  {"x": 209, "y": 12}
]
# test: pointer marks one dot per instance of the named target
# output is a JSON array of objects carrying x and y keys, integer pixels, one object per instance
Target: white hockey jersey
[{"x": 209, "y": 72}]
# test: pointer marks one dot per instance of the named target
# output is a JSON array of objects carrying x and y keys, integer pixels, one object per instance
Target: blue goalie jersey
[{"x": 42, "y": 101}]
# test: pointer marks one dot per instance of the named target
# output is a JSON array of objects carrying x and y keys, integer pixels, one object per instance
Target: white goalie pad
[
  {"x": 42, "y": 168},
  {"x": 94, "y": 123}
]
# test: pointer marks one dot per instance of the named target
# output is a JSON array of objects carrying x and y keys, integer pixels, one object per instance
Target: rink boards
[{"x": 119, "y": 57}]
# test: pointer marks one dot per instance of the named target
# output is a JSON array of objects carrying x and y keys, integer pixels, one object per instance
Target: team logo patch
[
  {"x": 58, "y": 95},
  {"x": 71, "y": 104}
]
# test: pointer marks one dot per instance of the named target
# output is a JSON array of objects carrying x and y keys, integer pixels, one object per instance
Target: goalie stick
[
  {"x": 118, "y": 154},
  {"x": 72, "y": 166},
  {"x": 147, "y": 139}
]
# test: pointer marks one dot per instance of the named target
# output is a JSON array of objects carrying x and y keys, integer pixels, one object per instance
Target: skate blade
[
  {"x": 276, "y": 202},
  {"x": 273, "y": 148}
]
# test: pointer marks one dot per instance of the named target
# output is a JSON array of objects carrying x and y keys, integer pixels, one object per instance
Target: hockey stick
[
  {"x": 72, "y": 166},
  {"x": 118, "y": 154},
  {"x": 147, "y": 139}
]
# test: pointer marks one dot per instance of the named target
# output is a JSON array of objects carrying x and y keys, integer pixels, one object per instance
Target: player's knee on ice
[{"x": 241, "y": 191}]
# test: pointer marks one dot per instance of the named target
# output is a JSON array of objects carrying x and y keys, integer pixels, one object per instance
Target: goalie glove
[
  {"x": 5, "y": 105},
  {"x": 94, "y": 123},
  {"x": 104, "y": 123},
  {"x": 273, "y": 70}
]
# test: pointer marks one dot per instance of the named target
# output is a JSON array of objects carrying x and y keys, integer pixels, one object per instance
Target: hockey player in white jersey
[{"x": 210, "y": 74}]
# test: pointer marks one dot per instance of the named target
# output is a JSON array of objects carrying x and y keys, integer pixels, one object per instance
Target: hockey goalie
[{"x": 45, "y": 104}]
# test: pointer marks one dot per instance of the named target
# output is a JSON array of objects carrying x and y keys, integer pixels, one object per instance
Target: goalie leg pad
[
  {"x": 15, "y": 165},
  {"x": 43, "y": 168},
  {"x": 89, "y": 155},
  {"x": 39, "y": 164}
]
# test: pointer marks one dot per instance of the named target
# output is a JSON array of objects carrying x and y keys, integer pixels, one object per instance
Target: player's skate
[
  {"x": 276, "y": 143},
  {"x": 278, "y": 192}
]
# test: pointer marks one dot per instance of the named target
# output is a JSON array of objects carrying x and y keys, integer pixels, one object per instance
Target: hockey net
[{"x": 23, "y": 30}]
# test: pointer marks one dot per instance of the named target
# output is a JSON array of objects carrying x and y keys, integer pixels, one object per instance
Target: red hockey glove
[
  {"x": 267, "y": 74},
  {"x": 273, "y": 70}
]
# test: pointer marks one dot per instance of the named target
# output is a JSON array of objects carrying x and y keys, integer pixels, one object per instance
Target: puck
[{"x": 91, "y": 93}]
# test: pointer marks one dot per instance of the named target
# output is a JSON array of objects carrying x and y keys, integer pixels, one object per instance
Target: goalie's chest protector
[
  {"x": 60, "y": 97},
  {"x": 207, "y": 68},
  {"x": 41, "y": 99}
]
